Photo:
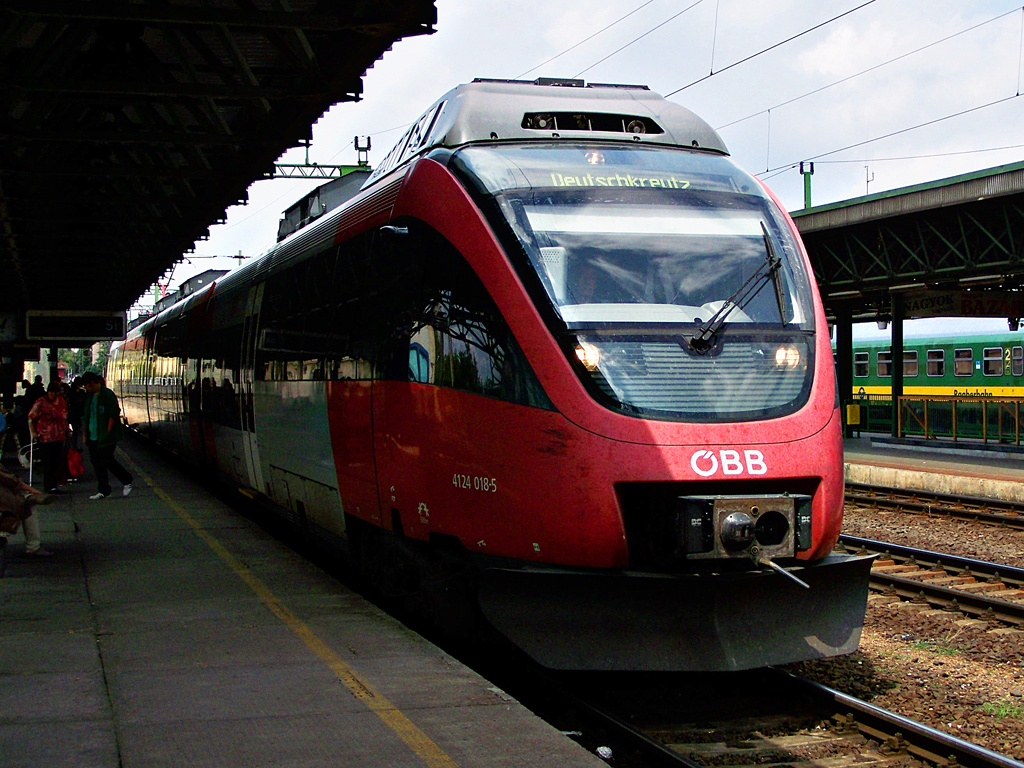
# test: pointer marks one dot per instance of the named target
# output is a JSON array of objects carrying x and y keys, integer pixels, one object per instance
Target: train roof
[
  {"x": 546, "y": 109},
  {"x": 1006, "y": 337},
  {"x": 488, "y": 111}
]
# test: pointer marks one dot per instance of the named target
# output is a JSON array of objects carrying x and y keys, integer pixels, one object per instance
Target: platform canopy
[
  {"x": 127, "y": 129},
  {"x": 952, "y": 247}
]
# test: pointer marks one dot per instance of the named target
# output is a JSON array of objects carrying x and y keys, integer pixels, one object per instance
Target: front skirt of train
[{"x": 588, "y": 620}]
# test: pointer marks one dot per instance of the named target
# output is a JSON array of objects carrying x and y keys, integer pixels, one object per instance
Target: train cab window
[
  {"x": 936, "y": 362},
  {"x": 861, "y": 364},
  {"x": 883, "y": 361},
  {"x": 992, "y": 361},
  {"x": 910, "y": 364},
  {"x": 963, "y": 362},
  {"x": 1017, "y": 361}
]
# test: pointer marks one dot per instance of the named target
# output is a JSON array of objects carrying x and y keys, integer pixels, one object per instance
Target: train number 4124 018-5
[{"x": 475, "y": 483}]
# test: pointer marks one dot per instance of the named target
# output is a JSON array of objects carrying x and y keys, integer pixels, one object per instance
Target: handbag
[
  {"x": 28, "y": 455},
  {"x": 75, "y": 465}
]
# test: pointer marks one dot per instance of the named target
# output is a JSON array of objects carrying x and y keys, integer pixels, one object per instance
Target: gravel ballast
[{"x": 953, "y": 673}]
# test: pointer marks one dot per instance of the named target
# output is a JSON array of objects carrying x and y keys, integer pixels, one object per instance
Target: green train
[{"x": 989, "y": 365}]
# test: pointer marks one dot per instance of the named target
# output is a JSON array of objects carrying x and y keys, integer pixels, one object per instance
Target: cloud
[{"x": 488, "y": 38}]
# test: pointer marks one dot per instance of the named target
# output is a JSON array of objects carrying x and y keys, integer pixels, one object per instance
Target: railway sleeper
[
  {"x": 1013, "y": 595},
  {"x": 982, "y": 586},
  {"x": 895, "y": 568},
  {"x": 952, "y": 581}
]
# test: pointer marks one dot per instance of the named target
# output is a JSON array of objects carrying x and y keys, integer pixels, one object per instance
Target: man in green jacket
[{"x": 102, "y": 425}]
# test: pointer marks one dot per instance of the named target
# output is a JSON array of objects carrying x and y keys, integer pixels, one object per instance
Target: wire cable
[
  {"x": 787, "y": 166},
  {"x": 770, "y": 48},
  {"x": 871, "y": 69},
  {"x": 581, "y": 42},
  {"x": 645, "y": 34},
  {"x": 921, "y": 157}
]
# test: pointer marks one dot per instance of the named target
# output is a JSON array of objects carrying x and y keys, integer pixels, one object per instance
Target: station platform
[
  {"x": 961, "y": 469},
  {"x": 169, "y": 630}
]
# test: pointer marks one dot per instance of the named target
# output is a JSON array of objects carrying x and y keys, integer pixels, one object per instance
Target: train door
[{"x": 250, "y": 329}]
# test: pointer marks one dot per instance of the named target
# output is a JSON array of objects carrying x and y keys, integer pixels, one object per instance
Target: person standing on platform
[
  {"x": 102, "y": 423},
  {"x": 48, "y": 425},
  {"x": 34, "y": 391},
  {"x": 17, "y": 509},
  {"x": 76, "y": 400}
]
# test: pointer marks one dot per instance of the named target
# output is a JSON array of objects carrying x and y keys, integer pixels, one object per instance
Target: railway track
[
  {"x": 992, "y": 511},
  {"x": 763, "y": 718},
  {"x": 974, "y": 587}
]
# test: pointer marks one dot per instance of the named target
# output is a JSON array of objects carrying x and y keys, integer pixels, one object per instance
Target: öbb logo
[{"x": 706, "y": 463}]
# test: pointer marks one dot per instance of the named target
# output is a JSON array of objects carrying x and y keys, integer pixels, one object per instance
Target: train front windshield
[{"x": 676, "y": 283}]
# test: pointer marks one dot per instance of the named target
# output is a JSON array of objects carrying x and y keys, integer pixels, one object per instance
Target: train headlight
[
  {"x": 589, "y": 355},
  {"x": 787, "y": 358}
]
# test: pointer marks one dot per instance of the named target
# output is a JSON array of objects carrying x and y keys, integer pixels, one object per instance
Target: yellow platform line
[{"x": 405, "y": 729}]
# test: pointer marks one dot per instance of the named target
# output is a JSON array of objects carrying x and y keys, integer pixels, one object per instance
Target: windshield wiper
[
  {"x": 769, "y": 270},
  {"x": 780, "y": 291}
]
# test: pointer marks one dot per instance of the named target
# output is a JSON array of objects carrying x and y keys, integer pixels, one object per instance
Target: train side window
[
  {"x": 1017, "y": 361},
  {"x": 419, "y": 363},
  {"x": 883, "y": 360},
  {"x": 936, "y": 362},
  {"x": 861, "y": 364},
  {"x": 317, "y": 317},
  {"x": 992, "y": 361},
  {"x": 963, "y": 362},
  {"x": 441, "y": 327},
  {"x": 910, "y": 363}
]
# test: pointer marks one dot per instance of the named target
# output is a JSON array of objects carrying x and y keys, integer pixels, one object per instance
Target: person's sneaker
[
  {"x": 39, "y": 553},
  {"x": 126, "y": 490},
  {"x": 98, "y": 496}
]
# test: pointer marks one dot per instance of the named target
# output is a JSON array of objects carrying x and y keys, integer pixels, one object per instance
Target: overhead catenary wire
[
  {"x": 584, "y": 40},
  {"x": 770, "y": 48},
  {"x": 1020, "y": 51},
  {"x": 931, "y": 155},
  {"x": 877, "y": 66},
  {"x": 714, "y": 36},
  {"x": 641, "y": 37},
  {"x": 791, "y": 165}
]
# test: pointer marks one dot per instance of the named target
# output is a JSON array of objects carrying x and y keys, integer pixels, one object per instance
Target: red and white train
[{"x": 559, "y": 355}]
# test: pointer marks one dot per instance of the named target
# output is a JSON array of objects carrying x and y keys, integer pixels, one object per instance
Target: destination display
[
  {"x": 963, "y": 304},
  {"x": 74, "y": 325}
]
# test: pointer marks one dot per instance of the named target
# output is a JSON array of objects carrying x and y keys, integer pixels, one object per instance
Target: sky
[{"x": 879, "y": 94}]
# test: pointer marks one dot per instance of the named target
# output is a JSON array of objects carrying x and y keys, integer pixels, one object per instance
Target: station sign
[
  {"x": 74, "y": 325},
  {"x": 963, "y": 304}
]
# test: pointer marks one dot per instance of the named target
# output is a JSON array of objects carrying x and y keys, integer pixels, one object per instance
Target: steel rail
[
  {"x": 989, "y": 510},
  {"x": 888, "y": 728},
  {"x": 952, "y": 498},
  {"x": 986, "y": 567},
  {"x": 974, "y": 603},
  {"x": 925, "y": 742}
]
